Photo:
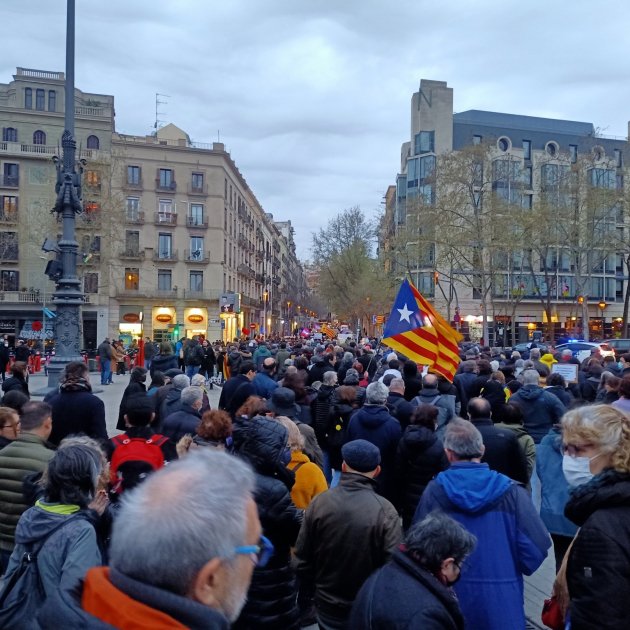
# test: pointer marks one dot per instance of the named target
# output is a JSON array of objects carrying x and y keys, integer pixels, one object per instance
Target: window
[
  {"x": 132, "y": 243},
  {"x": 133, "y": 208},
  {"x": 603, "y": 178},
  {"x": 11, "y": 174},
  {"x": 91, "y": 244},
  {"x": 133, "y": 175},
  {"x": 424, "y": 142},
  {"x": 165, "y": 245},
  {"x": 196, "y": 247},
  {"x": 93, "y": 178},
  {"x": 166, "y": 178},
  {"x": 9, "y": 134},
  {"x": 40, "y": 100},
  {"x": 28, "y": 98},
  {"x": 527, "y": 177},
  {"x": 39, "y": 137},
  {"x": 165, "y": 211},
  {"x": 504, "y": 144},
  {"x": 197, "y": 182},
  {"x": 619, "y": 181},
  {"x": 52, "y": 101},
  {"x": 196, "y": 214},
  {"x": 165, "y": 280},
  {"x": 9, "y": 280},
  {"x": 618, "y": 158},
  {"x": 476, "y": 139},
  {"x": 9, "y": 246},
  {"x": 90, "y": 283},
  {"x": 132, "y": 279},
  {"x": 8, "y": 207},
  {"x": 573, "y": 153},
  {"x": 527, "y": 149},
  {"x": 552, "y": 149},
  {"x": 196, "y": 281},
  {"x": 92, "y": 207},
  {"x": 226, "y": 188},
  {"x": 93, "y": 142}
]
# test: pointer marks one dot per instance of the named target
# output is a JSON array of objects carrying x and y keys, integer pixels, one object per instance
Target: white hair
[
  {"x": 530, "y": 377},
  {"x": 329, "y": 378},
  {"x": 198, "y": 380},
  {"x": 191, "y": 395},
  {"x": 182, "y": 516},
  {"x": 181, "y": 381}
]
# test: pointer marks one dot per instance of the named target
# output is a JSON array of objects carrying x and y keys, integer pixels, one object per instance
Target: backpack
[
  {"x": 23, "y": 593},
  {"x": 134, "y": 451}
]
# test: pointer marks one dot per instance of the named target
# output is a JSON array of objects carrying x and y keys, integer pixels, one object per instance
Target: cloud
[{"x": 312, "y": 96}]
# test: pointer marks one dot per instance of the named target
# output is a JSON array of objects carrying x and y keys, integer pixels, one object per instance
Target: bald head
[
  {"x": 478, "y": 408},
  {"x": 269, "y": 365},
  {"x": 429, "y": 380}
]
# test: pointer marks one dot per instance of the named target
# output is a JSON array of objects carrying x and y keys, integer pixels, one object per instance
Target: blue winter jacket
[
  {"x": 554, "y": 487},
  {"x": 264, "y": 385},
  {"x": 511, "y": 541}
]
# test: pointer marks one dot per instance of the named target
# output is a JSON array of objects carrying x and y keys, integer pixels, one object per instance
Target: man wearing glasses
[{"x": 183, "y": 550}]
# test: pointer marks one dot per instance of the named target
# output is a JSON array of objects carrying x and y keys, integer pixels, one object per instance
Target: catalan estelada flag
[{"x": 419, "y": 332}]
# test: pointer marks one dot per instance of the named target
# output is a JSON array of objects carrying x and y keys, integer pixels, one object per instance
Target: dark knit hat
[
  {"x": 361, "y": 455},
  {"x": 352, "y": 377},
  {"x": 172, "y": 372}
]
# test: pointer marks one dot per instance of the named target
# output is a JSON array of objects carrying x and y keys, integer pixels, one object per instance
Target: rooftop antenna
[
  {"x": 218, "y": 135},
  {"x": 158, "y": 121}
]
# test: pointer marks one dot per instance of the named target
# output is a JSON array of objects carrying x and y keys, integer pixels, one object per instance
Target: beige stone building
[{"x": 173, "y": 241}]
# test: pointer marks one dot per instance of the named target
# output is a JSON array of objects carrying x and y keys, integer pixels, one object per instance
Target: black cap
[
  {"x": 361, "y": 455},
  {"x": 172, "y": 372},
  {"x": 282, "y": 402}
]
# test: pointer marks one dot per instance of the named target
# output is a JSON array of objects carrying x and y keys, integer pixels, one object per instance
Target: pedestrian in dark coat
[
  {"x": 237, "y": 389},
  {"x": 413, "y": 383},
  {"x": 75, "y": 409},
  {"x": 4, "y": 358},
  {"x": 412, "y": 591},
  {"x": 136, "y": 386},
  {"x": 17, "y": 380},
  {"x": 374, "y": 423},
  {"x": 186, "y": 419},
  {"x": 419, "y": 458},
  {"x": 598, "y": 572},
  {"x": 398, "y": 406},
  {"x": 272, "y": 596},
  {"x": 165, "y": 360}
]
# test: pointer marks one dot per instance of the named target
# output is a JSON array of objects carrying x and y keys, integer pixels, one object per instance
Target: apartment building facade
[
  {"x": 173, "y": 241},
  {"x": 523, "y": 166}
]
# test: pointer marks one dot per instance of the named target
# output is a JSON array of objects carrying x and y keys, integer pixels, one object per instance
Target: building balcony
[
  {"x": 169, "y": 187},
  {"x": 251, "y": 302},
  {"x": 200, "y": 191},
  {"x": 24, "y": 297},
  {"x": 9, "y": 181},
  {"x": 197, "y": 256},
  {"x": 149, "y": 294},
  {"x": 92, "y": 259},
  {"x": 88, "y": 220},
  {"x": 134, "y": 218},
  {"x": 33, "y": 150},
  {"x": 131, "y": 254},
  {"x": 204, "y": 295},
  {"x": 9, "y": 217},
  {"x": 133, "y": 185},
  {"x": 165, "y": 218},
  {"x": 196, "y": 222},
  {"x": 171, "y": 256}
]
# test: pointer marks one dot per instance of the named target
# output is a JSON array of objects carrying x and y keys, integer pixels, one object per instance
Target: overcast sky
[{"x": 311, "y": 97}]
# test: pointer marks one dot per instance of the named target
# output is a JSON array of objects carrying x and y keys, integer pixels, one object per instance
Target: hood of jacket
[
  {"x": 429, "y": 393},
  {"x": 530, "y": 392},
  {"x": 262, "y": 442},
  {"x": 608, "y": 489},
  {"x": 473, "y": 487},
  {"x": 372, "y": 416},
  {"x": 419, "y": 438},
  {"x": 518, "y": 429},
  {"x": 37, "y": 521}
]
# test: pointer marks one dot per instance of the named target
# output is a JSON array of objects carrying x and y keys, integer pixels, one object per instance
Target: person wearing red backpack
[{"x": 139, "y": 451}]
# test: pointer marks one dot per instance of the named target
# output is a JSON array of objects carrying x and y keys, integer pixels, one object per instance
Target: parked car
[
  {"x": 524, "y": 348},
  {"x": 620, "y": 346},
  {"x": 582, "y": 349}
]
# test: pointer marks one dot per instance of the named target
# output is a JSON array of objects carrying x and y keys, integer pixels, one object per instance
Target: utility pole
[{"x": 68, "y": 296}]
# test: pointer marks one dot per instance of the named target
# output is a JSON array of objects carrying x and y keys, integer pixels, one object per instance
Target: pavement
[{"x": 537, "y": 586}]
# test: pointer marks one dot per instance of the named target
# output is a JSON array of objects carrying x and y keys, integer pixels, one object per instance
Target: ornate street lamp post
[{"x": 68, "y": 296}]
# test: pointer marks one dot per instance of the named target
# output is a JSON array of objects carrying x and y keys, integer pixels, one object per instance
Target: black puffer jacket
[
  {"x": 320, "y": 410},
  {"x": 338, "y": 420},
  {"x": 598, "y": 571},
  {"x": 271, "y": 599},
  {"x": 419, "y": 458},
  {"x": 163, "y": 362}
]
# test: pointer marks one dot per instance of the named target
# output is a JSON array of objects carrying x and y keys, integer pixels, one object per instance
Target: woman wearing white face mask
[{"x": 596, "y": 463}]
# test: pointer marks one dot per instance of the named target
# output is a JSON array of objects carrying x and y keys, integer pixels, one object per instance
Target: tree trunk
[{"x": 585, "y": 322}]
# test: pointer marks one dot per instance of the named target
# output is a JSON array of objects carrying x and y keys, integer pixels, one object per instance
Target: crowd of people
[{"x": 343, "y": 486}]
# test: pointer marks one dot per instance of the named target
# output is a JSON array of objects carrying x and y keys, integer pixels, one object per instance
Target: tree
[{"x": 351, "y": 281}]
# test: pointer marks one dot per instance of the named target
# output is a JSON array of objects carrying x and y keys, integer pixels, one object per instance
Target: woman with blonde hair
[
  {"x": 309, "y": 478},
  {"x": 596, "y": 462}
]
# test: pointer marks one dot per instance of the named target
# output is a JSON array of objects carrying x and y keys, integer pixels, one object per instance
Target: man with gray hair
[
  {"x": 539, "y": 366},
  {"x": 172, "y": 401},
  {"x": 541, "y": 409},
  {"x": 186, "y": 419},
  {"x": 183, "y": 550},
  {"x": 502, "y": 516},
  {"x": 374, "y": 423}
]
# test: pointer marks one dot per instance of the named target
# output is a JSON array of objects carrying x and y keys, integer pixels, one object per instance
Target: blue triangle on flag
[{"x": 406, "y": 314}]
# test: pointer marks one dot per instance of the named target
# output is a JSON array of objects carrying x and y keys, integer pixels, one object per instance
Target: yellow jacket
[{"x": 309, "y": 480}]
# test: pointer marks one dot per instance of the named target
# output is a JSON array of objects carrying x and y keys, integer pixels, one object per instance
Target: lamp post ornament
[{"x": 68, "y": 296}]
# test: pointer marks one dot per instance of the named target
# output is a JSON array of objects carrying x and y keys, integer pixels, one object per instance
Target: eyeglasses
[
  {"x": 263, "y": 551},
  {"x": 575, "y": 450}
]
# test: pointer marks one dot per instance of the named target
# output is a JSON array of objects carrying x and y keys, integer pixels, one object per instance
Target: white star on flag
[{"x": 405, "y": 313}]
